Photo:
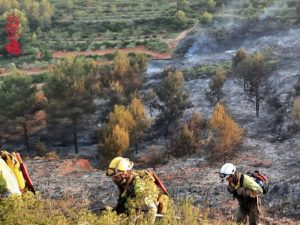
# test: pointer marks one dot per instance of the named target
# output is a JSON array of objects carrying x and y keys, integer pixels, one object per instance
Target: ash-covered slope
[{"x": 270, "y": 145}]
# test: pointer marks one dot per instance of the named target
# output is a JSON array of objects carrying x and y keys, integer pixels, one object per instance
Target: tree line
[{"x": 68, "y": 100}]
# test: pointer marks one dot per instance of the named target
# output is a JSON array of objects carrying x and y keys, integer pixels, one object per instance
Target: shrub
[
  {"x": 156, "y": 155},
  {"x": 121, "y": 63},
  {"x": 52, "y": 155},
  {"x": 29, "y": 209},
  {"x": 116, "y": 142},
  {"x": 189, "y": 139},
  {"x": 296, "y": 109},
  {"x": 40, "y": 148},
  {"x": 215, "y": 92},
  {"x": 156, "y": 45},
  {"x": 240, "y": 55},
  {"x": 227, "y": 133},
  {"x": 34, "y": 210},
  {"x": 180, "y": 19},
  {"x": 122, "y": 117},
  {"x": 206, "y": 17}
]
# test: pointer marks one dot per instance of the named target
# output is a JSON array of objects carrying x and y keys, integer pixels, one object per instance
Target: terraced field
[{"x": 94, "y": 24}]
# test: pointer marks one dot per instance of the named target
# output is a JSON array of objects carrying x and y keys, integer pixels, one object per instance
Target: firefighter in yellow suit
[
  {"x": 246, "y": 191},
  {"x": 8, "y": 182},
  {"x": 138, "y": 192}
]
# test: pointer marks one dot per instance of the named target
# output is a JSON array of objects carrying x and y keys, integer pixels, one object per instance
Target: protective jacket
[
  {"x": 8, "y": 182},
  {"x": 245, "y": 186},
  {"x": 139, "y": 194}
]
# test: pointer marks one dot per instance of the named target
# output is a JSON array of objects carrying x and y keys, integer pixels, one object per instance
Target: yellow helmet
[{"x": 117, "y": 165}]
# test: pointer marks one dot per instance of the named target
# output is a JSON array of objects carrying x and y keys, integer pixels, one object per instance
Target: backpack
[
  {"x": 261, "y": 179},
  {"x": 163, "y": 196}
]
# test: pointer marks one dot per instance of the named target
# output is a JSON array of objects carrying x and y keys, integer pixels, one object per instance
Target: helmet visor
[
  {"x": 110, "y": 172},
  {"x": 113, "y": 172}
]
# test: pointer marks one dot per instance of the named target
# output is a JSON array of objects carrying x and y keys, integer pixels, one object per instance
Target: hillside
[{"x": 108, "y": 82}]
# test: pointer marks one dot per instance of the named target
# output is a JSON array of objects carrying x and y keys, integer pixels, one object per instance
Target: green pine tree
[
  {"x": 18, "y": 104},
  {"x": 70, "y": 95}
]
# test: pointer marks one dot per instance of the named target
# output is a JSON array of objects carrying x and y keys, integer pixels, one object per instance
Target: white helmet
[{"x": 227, "y": 170}]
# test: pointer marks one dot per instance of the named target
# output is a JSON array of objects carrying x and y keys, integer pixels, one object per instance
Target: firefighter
[
  {"x": 246, "y": 191},
  {"x": 138, "y": 192}
]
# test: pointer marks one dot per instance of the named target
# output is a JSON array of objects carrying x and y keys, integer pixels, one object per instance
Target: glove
[{"x": 243, "y": 192}]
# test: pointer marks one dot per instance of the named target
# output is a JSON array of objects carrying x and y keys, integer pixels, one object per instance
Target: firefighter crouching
[{"x": 139, "y": 193}]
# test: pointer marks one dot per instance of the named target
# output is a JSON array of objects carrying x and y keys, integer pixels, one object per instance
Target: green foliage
[
  {"x": 6, "y": 5},
  {"x": 39, "y": 78},
  {"x": 206, "y": 70},
  {"x": 143, "y": 122},
  {"x": 126, "y": 76},
  {"x": 121, "y": 63},
  {"x": 253, "y": 71},
  {"x": 180, "y": 19},
  {"x": 211, "y": 4},
  {"x": 156, "y": 45},
  {"x": 206, "y": 17},
  {"x": 38, "y": 12},
  {"x": 115, "y": 143},
  {"x": 182, "y": 4},
  {"x": 114, "y": 140},
  {"x": 18, "y": 103},
  {"x": 214, "y": 94},
  {"x": 46, "y": 54},
  {"x": 298, "y": 9},
  {"x": 121, "y": 116},
  {"x": 124, "y": 125},
  {"x": 172, "y": 93},
  {"x": 34, "y": 210},
  {"x": 70, "y": 93}
]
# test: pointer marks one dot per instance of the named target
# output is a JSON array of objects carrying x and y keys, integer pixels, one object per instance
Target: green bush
[
  {"x": 156, "y": 45},
  {"x": 39, "y": 78},
  {"x": 206, "y": 17},
  {"x": 34, "y": 210}
]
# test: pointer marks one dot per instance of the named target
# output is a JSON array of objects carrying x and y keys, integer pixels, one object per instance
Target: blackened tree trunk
[
  {"x": 257, "y": 99},
  {"x": 26, "y": 138},
  {"x": 75, "y": 136}
]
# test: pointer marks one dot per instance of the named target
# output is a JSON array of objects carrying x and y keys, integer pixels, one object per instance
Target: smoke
[{"x": 273, "y": 10}]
